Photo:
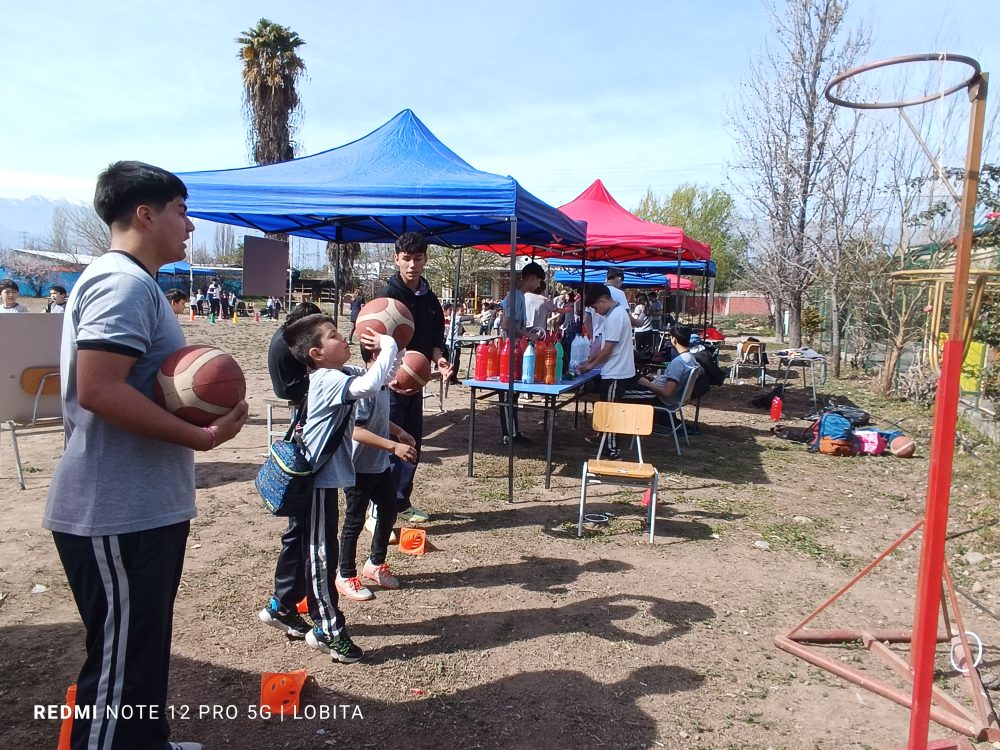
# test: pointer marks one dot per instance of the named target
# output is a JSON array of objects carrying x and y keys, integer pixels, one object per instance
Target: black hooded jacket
[{"x": 428, "y": 317}]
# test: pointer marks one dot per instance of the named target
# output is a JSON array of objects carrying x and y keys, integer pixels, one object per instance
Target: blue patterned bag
[{"x": 285, "y": 481}]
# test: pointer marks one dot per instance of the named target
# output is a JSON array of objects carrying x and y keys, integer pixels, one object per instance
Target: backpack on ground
[{"x": 833, "y": 435}]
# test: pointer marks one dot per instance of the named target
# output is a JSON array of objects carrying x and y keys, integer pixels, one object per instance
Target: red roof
[{"x": 614, "y": 233}]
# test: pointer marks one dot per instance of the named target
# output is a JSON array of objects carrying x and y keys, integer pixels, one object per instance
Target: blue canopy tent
[
  {"x": 684, "y": 268},
  {"x": 183, "y": 268},
  {"x": 398, "y": 178},
  {"x": 600, "y": 275}
]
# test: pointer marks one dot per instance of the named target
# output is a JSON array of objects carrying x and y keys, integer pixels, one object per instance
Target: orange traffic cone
[
  {"x": 280, "y": 691},
  {"x": 67, "y": 724},
  {"x": 303, "y": 606},
  {"x": 192, "y": 313},
  {"x": 412, "y": 541},
  {"x": 235, "y": 319}
]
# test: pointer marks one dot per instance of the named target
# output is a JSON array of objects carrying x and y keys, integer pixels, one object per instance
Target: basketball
[
  {"x": 388, "y": 316},
  {"x": 903, "y": 446},
  {"x": 414, "y": 372},
  {"x": 199, "y": 384}
]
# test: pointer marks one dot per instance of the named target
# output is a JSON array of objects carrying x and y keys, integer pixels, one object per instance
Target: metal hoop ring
[
  {"x": 976, "y": 661},
  {"x": 598, "y": 518},
  {"x": 927, "y": 57}
]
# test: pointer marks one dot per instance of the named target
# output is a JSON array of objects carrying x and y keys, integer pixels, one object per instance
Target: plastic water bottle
[
  {"x": 482, "y": 360},
  {"x": 493, "y": 362},
  {"x": 528, "y": 364},
  {"x": 776, "y": 408},
  {"x": 505, "y": 353},
  {"x": 559, "y": 359},
  {"x": 550, "y": 366}
]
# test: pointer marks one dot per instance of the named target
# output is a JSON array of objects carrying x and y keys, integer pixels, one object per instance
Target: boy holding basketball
[
  {"x": 121, "y": 545},
  {"x": 309, "y": 546},
  {"x": 376, "y": 438}
]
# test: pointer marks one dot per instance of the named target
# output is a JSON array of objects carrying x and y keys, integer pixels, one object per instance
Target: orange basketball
[
  {"x": 388, "y": 316},
  {"x": 902, "y": 446},
  {"x": 414, "y": 373},
  {"x": 199, "y": 384}
]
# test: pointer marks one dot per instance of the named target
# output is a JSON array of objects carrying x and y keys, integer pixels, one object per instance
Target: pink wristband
[{"x": 213, "y": 431}]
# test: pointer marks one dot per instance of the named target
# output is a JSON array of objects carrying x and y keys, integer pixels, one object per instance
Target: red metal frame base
[{"x": 978, "y": 722}]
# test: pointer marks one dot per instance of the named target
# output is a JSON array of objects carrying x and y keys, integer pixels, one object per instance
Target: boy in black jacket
[{"x": 407, "y": 410}]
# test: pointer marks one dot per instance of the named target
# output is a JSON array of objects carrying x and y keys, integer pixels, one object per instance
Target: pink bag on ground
[{"x": 870, "y": 442}]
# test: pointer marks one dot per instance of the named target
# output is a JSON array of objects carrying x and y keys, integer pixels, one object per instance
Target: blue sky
[{"x": 554, "y": 93}]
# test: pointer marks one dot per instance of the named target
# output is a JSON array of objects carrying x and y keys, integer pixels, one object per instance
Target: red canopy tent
[{"x": 616, "y": 234}]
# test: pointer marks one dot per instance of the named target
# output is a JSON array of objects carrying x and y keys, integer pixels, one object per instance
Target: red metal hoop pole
[{"x": 902, "y": 59}]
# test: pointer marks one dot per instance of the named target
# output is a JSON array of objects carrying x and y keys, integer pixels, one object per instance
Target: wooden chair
[
  {"x": 749, "y": 354},
  {"x": 676, "y": 414},
  {"x": 623, "y": 419},
  {"x": 36, "y": 382}
]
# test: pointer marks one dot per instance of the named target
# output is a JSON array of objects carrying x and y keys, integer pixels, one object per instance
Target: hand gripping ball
[
  {"x": 388, "y": 316},
  {"x": 199, "y": 384}
]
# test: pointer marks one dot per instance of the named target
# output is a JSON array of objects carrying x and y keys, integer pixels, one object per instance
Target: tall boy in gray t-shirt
[{"x": 122, "y": 496}]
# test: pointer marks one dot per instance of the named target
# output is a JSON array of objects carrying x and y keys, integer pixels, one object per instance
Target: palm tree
[{"x": 271, "y": 70}]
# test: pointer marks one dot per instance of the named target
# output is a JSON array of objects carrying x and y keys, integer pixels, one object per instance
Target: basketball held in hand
[
  {"x": 386, "y": 316},
  {"x": 199, "y": 384},
  {"x": 413, "y": 373}
]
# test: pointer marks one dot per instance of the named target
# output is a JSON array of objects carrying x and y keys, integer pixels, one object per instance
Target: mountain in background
[{"x": 26, "y": 216}]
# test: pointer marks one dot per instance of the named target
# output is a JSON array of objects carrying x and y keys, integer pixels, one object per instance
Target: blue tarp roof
[
  {"x": 183, "y": 268},
  {"x": 398, "y": 178},
  {"x": 600, "y": 276},
  {"x": 688, "y": 267}
]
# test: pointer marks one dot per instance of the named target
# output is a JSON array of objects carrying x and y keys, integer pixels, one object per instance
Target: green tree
[
  {"x": 708, "y": 216},
  {"x": 271, "y": 70}
]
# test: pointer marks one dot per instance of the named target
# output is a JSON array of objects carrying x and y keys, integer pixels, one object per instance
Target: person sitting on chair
[{"x": 669, "y": 387}]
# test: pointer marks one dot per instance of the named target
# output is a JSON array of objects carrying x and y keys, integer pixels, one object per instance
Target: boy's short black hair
[
  {"x": 595, "y": 292},
  {"x": 9, "y": 284},
  {"x": 300, "y": 311},
  {"x": 174, "y": 295},
  {"x": 411, "y": 243},
  {"x": 682, "y": 334},
  {"x": 304, "y": 334},
  {"x": 533, "y": 269},
  {"x": 615, "y": 273},
  {"x": 125, "y": 185},
  {"x": 58, "y": 289}
]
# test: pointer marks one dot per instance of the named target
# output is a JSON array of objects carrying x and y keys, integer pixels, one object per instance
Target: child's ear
[{"x": 315, "y": 353}]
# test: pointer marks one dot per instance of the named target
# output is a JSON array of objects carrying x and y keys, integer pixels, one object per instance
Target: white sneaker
[
  {"x": 381, "y": 574},
  {"x": 353, "y": 589}
]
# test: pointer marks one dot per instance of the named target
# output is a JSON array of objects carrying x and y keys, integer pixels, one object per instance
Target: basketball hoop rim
[{"x": 900, "y": 60}]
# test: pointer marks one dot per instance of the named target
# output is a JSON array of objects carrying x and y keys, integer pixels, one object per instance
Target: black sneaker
[
  {"x": 341, "y": 648},
  {"x": 290, "y": 623}
]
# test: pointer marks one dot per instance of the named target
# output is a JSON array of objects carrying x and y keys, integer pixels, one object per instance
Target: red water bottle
[
  {"x": 518, "y": 352},
  {"x": 776, "y": 408},
  {"x": 493, "y": 363},
  {"x": 505, "y": 353},
  {"x": 482, "y": 360}
]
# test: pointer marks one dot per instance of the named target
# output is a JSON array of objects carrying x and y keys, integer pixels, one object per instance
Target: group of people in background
[{"x": 10, "y": 292}]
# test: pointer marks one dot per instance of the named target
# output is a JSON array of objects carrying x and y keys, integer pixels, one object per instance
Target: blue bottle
[{"x": 528, "y": 364}]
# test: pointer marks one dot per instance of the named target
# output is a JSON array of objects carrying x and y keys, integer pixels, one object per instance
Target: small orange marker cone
[
  {"x": 235, "y": 319},
  {"x": 280, "y": 691},
  {"x": 192, "y": 313},
  {"x": 303, "y": 606},
  {"x": 67, "y": 724},
  {"x": 256, "y": 317},
  {"x": 412, "y": 541}
]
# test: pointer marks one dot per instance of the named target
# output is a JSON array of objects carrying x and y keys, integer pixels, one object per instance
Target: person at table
[
  {"x": 538, "y": 308},
  {"x": 668, "y": 387},
  {"x": 514, "y": 322},
  {"x": 616, "y": 353},
  {"x": 640, "y": 313},
  {"x": 655, "y": 310},
  {"x": 615, "y": 279}
]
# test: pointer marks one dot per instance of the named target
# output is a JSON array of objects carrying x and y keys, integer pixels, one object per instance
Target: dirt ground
[{"x": 512, "y": 633}]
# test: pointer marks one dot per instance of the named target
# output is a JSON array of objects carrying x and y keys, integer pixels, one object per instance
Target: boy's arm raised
[{"x": 377, "y": 375}]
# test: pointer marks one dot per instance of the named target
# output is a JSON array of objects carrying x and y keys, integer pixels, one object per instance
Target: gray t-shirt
[
  {"x": 110, "y": 481},
  {"x": 372, "y": 413},
  {"x": 327, "y": 405},
  {"x": 679, "y": 369}
]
